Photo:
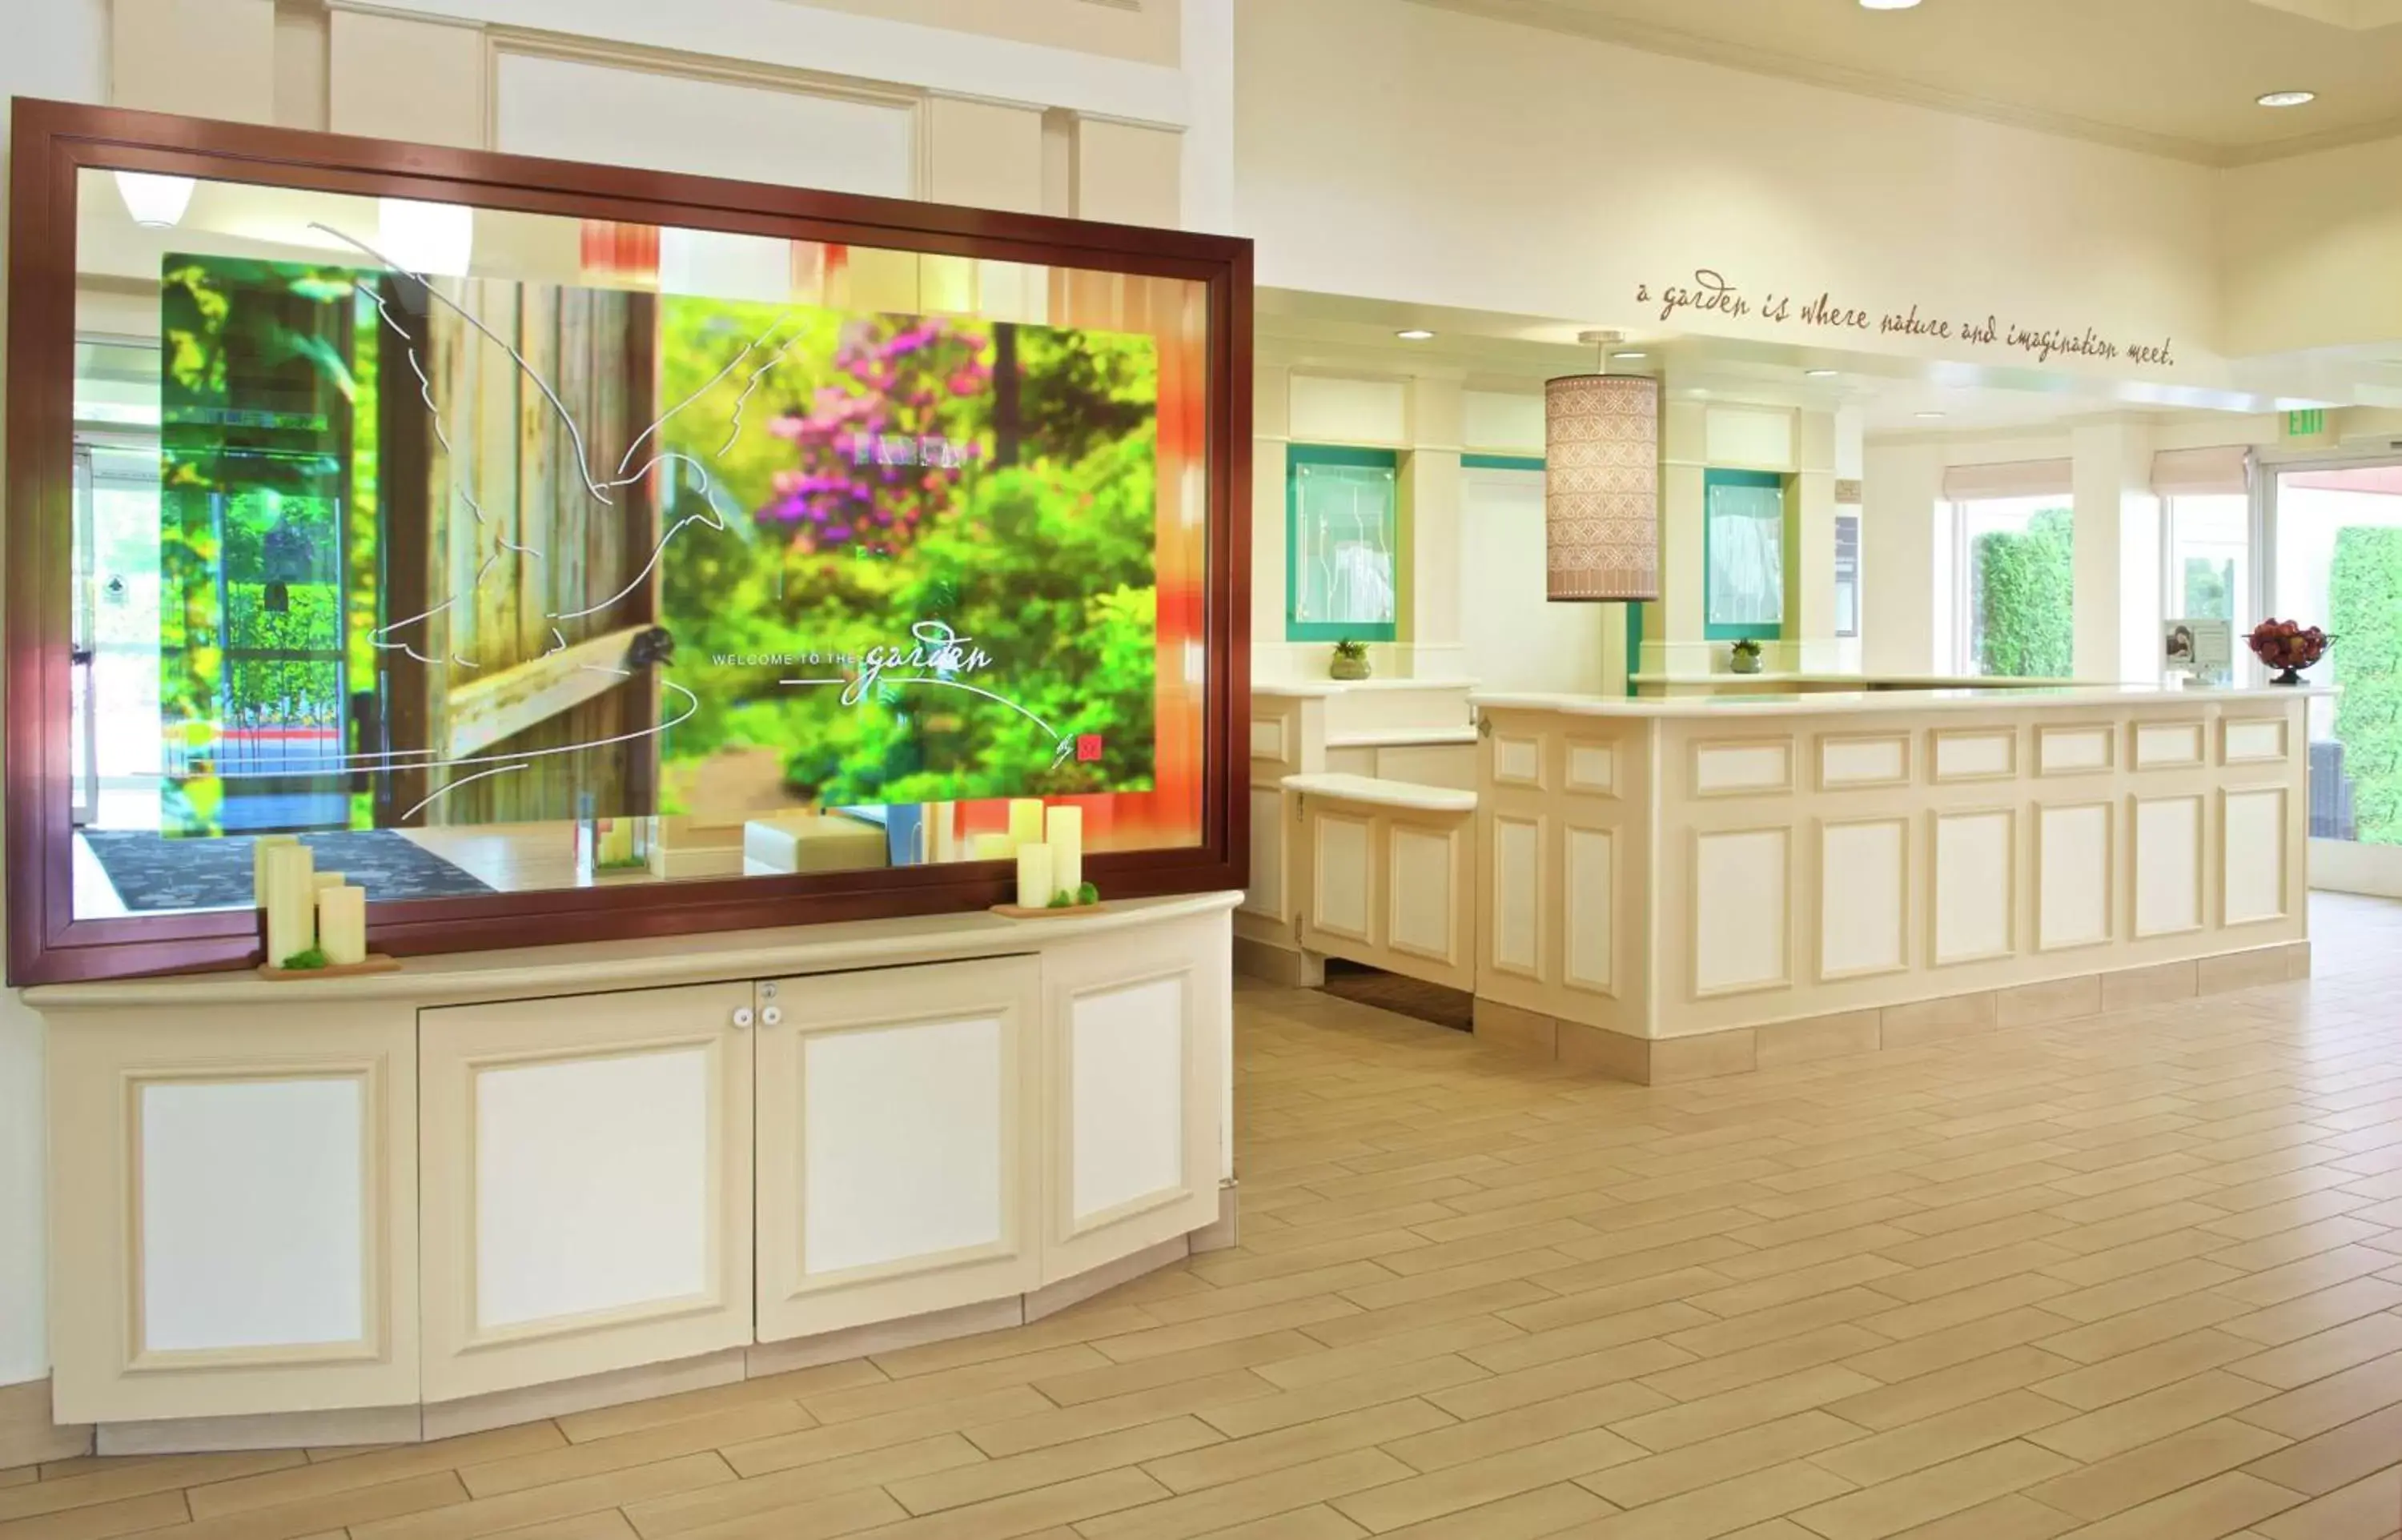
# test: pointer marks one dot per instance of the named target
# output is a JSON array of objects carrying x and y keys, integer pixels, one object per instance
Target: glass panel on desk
[{"x": 492, "y": 550}]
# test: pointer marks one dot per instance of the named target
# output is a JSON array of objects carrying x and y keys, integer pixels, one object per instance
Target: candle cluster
[
  {"x": 1048, "y": 844},
  {"x": 307, "y": 910}
]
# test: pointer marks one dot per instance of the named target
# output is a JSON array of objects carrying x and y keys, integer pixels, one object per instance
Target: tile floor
[{"x": 2132, "y": 1276}]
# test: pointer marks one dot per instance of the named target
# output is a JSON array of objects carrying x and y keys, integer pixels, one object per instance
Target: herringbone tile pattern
[{"x": 2132, "y": 1276}]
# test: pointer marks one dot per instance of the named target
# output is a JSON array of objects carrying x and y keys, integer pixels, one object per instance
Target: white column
[
  {"x": 2118, "y": 559},
  {"x": 1906, "y": 574},
  {"x": 1207, "y": 54},
  {"x": 1673, "y": 628},
  {"x": 1272, "y": 657},
  {"x": 1810, "y": 573},
  {"x": 1431, "y": 531}
]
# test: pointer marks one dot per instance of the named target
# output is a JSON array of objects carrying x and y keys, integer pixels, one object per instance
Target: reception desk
[
  {"x": 492, "y": 1188},
  {"x": 1678, "y": 887}
]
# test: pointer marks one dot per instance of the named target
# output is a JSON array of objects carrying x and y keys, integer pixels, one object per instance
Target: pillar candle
[
  {"x": 258, "y": 850},
  {"x": 1025, "y": 820},
  {"x": 617, "y": 844},
  {"x": 328, "y": 879},
  {"x": 991, "y": 848},
  {"x": 1064, "y": 831},
  {"x": 342, "y": 924},
  {"x": 1034, "y": 888},
  {"x": 943, "y": 818},
  {"x": 291, "y": 902}
]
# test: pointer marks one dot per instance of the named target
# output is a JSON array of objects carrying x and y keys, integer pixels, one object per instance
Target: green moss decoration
[
  {"x": 1088, "y": 894},
  {"x": 2365, "y": 613},
  {"x": 304, "y": 962},
  {"x": 1062, "y": 899}
]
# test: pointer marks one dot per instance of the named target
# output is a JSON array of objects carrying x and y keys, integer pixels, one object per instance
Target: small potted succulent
[
  {"x": 2288, "y": 645},
  {"x": 1744, "y": 657},
  {"x": 1351, "y": 660}
]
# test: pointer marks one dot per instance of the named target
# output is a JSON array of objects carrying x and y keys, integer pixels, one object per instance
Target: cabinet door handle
[
  {"x": 772, "y": 1016},
  {"x": 741, "y": 1017}
]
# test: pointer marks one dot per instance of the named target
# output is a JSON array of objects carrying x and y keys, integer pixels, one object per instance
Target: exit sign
[{"x": 2307, "y": 423}]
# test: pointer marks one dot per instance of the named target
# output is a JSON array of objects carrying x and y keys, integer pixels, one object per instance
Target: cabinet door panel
[
  {"x": 233, "y": 1211},
  {"x": 897, "y": 1157},
  {"x": 588, "y": 1185},
  {"x": 1134, "y": 1028}
]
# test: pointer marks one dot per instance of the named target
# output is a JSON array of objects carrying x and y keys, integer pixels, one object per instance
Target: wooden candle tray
[
  {"x": 376, "y": 963},
  {"x": 1019, "y": 912}
]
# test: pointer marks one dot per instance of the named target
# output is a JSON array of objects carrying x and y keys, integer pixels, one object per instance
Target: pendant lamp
[{"x": 1601, "y": 484}]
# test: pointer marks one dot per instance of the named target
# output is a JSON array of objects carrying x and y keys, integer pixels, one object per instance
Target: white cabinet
[
  {"x": 587, "y": 1184},
  {"x": 233, "y": 1212},
  {"x": 1134, "y": 1029},
  {"x": 898, "y": 1163}
]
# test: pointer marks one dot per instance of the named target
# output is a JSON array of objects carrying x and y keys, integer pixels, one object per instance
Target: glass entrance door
[{"x": 2335, "y": 541}]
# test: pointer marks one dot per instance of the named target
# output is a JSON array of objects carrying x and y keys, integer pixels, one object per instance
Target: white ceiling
[{"x": 2176, "y": 77}]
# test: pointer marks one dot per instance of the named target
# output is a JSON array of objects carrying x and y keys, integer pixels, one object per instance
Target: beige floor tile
[
  {"x": 784, "y": 1490},
  {"x": 1485, "y": 1436},
  {"x": 2331, "y": 1402},
  {"x": 1935, "y": 1493},
  {"x": 2157, "y": 1469},
  {"x": 2215, "y": 1507},
  {"x": 1731, "y": 1371},
  {"x": 1242, "y": 1418},
  {"x": 2314, "y": 1313},
  {"x": 1725, "y": 1508},
  {"x": 865, "y": 1433},
  {"x": 1213, "y": 1508},
  {"x": 1944, "y": 1436},
  {"x": 1960, "y": 1345},
  {"x": 560, "y": 1500},
  {"x": 1393, "y": 1427},
  {"x": 691, "y": 1435},
  {"x": 1907, "y": 1401},
  {"x": 984, "y": 1479},
  {"x": 1315, "y": 1522},
  {"x": 1085, "y": 1503},
  {"x": 2316, "y": 1356},
  {"x": 2337, "y": 1457},
  {"x": 2145, "y": 1369},
  {"x": 101, "y": 1518},
  {"x": 1544, "y": 1511},
  {"x": 1658, "y": 1477},
  {"x": 1475, "y": 1482},
  {"x": 2143, "y": 1326},
  {"x": 2138, "y": 1420},
  {"x": 1486, "y": 1396},
  {"x": 2011, "y": 1517},
  {"x": 738, "y": 1513},
  {"x": 2364, "y": 1510},
  {"x": 1744, "y": 1406}
]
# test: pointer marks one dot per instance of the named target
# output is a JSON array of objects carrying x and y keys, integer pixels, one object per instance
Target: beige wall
[
  {"x": 58, "y": 49},
  {"x": 1456, "y": 161},
  {"x": 1144, "y": 30},
  {"x": 2311, "y": 247}
]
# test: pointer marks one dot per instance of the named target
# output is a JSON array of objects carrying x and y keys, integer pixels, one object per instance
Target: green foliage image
[
  {"x": 890, "y": 479},
  {"x": 2023, "y": 597},
  {"x": 2364, "y": 616}
]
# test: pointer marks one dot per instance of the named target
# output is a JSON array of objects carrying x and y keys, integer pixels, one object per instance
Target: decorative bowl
[{"x": 2288, "y": 646}]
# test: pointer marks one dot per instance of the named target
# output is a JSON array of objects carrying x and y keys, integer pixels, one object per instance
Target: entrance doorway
[{"x": 2334, "y": 546}]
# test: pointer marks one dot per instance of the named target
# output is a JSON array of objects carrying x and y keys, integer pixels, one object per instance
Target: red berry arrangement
[{"x": 2288, "y": 645}]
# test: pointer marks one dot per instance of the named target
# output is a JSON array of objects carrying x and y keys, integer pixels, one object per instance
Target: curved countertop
[
  {"x": 586, "y": 968},
  {"x": 2088, "y": 696},
  {"x": 1383, "y": 794}
]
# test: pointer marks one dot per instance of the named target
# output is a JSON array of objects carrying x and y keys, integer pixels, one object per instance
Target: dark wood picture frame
[{"x": 56, "y": 141}]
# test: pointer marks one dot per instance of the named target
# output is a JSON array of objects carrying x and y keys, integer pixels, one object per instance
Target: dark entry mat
[{"x": 152, "y": 872}]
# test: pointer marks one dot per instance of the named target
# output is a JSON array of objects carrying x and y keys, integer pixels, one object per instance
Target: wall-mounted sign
[
  {"x": 1709, "y": 291},
  {"x": 2309, "y": 422}
]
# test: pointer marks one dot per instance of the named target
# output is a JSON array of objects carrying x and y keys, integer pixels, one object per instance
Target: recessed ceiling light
[
  {"x": 1822, "y": 374},
  {"x": 1416, "y": 334},
  {"x": 1630, "y": 355},
  {"x": 1929, "y": 417},
  {"x": 1887, "y": 5},
  {"x": 2288, "y": 99}
]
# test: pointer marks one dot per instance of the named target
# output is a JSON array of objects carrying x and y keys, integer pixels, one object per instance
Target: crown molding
[{"x": 1554, "y": 16}]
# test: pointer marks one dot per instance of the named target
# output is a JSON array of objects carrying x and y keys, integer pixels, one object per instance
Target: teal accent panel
[
  {"x": 1299, "y": 457},
  {"x": 1751, "y": 506}
]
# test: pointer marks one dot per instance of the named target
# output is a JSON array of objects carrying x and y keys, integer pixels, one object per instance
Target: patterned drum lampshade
[{"x": 1601, "y": 486}]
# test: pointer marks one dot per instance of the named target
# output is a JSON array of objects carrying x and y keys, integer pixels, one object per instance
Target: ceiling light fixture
[
  {"x": 1929, "y": 417},
  {"x": 1888, "y": 4},
  {"x": 1601, "y": 483},
  {"x": 1416, "y": 334},
  {"x": 1630, "y": 355},
  {"x": 2288, "y": 99},
  {"x": 156, "y": 202},
  {"x": 1822, "y": 374}
]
